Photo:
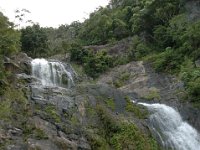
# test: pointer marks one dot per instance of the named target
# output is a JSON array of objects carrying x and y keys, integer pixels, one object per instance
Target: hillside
[{"x": 128, "y": 77}]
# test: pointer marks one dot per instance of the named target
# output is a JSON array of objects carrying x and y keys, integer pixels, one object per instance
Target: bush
[
  {"x": 122, "y": 135},
  {"x": 78, "y": 53},
  {"x": 97, "y": 63},
  {"x": 191, "y": 77}
]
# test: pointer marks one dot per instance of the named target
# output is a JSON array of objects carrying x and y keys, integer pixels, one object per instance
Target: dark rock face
[{"x": 23, "y": 62}]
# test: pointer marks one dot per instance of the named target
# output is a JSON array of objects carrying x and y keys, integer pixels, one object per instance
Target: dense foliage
[
  {"x": 93, "y": 63},
  {"x": 120, "y": 135},
  {"x": 164, "y": 32},
  {"x": 9, "y": 44},
  {"x": 34, "y": 41}
]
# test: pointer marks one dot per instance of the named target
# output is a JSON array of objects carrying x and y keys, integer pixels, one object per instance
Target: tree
[
  {"x": 34, "y": 41},
  {"x": 9, "y": 44},
  {"x": 9, "y": 38}
]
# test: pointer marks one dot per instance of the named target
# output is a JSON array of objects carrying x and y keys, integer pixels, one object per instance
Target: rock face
[
  {"x": 142, "y": 83},
  {"x": 57, "y": 118}
]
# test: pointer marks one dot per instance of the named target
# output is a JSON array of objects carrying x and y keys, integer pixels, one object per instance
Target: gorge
[{"x": 164, "y": 122}]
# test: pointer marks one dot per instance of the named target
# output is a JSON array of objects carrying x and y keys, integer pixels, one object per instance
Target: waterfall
[
  {"x": 168, "y": 126},
  {"x": 51, "y": 73}
]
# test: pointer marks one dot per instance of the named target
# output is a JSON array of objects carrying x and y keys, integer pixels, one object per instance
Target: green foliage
[
  {"x": 34, "y": 41},
  {"x": 153, "y": 94},
  {"x": 97, "y": 63},
  {"x": 120, "y": 81},
  {"x": 191, "y": 76},
  {"x": 74, "y": 120},
  {"x": 138, "y": 48},
  {"x": 131, "y": 107},
  {"x": 9, "y": 38},
  {"x": 93, "y": 63},
  {"x": 7, "y": 107},
  {"x": 78, "y": 53},
  {"x": 168, "y": 61},
  {"x": 108, "y": 122},
  {"x": 52, "y": 113},
  {"x": 110, "y": 103},
  {"x": 96, "y": 30},
  {"x": 121, "y": 135},
  {"x": 40, "y": 134},
  {"x": 9, "y": 45},
  {"x": 130, "y": 137}
]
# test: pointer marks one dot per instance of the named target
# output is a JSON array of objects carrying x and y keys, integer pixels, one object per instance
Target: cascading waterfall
[
  {"x": 168, "y": 126},
  {"x": 51, "y": 73}
]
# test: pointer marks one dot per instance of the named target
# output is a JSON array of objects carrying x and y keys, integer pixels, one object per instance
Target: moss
[
  {"x": 120, "y": 81},
  {"x": 152, "y": 95},
  {"x": 74, "y": 120},
  {"x": 5, "y": 110},
  {"x": 90, "y": 111},
  {"x": 110, "y": 103},
  {"x": 52, "y": 113},
  {"x": 117, "y": 83},
  {"x": 131, "y": 107},
  {"x": 40, "y": 134}
]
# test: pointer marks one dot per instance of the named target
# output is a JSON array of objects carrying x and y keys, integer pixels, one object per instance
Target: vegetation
[
  {"x": 52, "y": 113},
  {"x": 152, "y": 94},
  {"x": 120, "y": 81},
  {"x": 138, "y": 111},
  {"x": 122, "y": 135},
  {"x": 34, "y": 41},
  {"x": 9, "y": 45},
  {"x": 110, "y": 103},
  {"x": 163, "y": 32},
  {"x": 94, "y": 63}
]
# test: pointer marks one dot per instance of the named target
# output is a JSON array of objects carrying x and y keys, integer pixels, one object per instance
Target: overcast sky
[{"x": 51, "y": 13}]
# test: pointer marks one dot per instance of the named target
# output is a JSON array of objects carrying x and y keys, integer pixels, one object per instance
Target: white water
[
  {"x": 51, "y": 73},
  {"x": 174, "y": 133}
]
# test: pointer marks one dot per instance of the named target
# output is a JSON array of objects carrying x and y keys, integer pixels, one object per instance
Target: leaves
[{"x": 34, "y": 41}]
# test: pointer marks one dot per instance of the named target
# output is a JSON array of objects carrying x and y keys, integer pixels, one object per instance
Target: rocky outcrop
[
  {"x": 140, "y": 81},
  {"x": 69, "y": 118},
  {"x": 19, "y": 63}
]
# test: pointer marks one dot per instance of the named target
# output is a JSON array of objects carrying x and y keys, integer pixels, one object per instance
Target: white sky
[{"x": 51, "y": 13}]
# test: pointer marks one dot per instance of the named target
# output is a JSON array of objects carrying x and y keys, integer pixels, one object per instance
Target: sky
[{"x": 51, "y": 13}]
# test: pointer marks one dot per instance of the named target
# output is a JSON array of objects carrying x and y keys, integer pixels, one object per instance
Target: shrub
[{"x": 131, "y": 107}]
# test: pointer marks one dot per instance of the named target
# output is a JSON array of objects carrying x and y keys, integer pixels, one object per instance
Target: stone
[{"x": 197, "y": 63}]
